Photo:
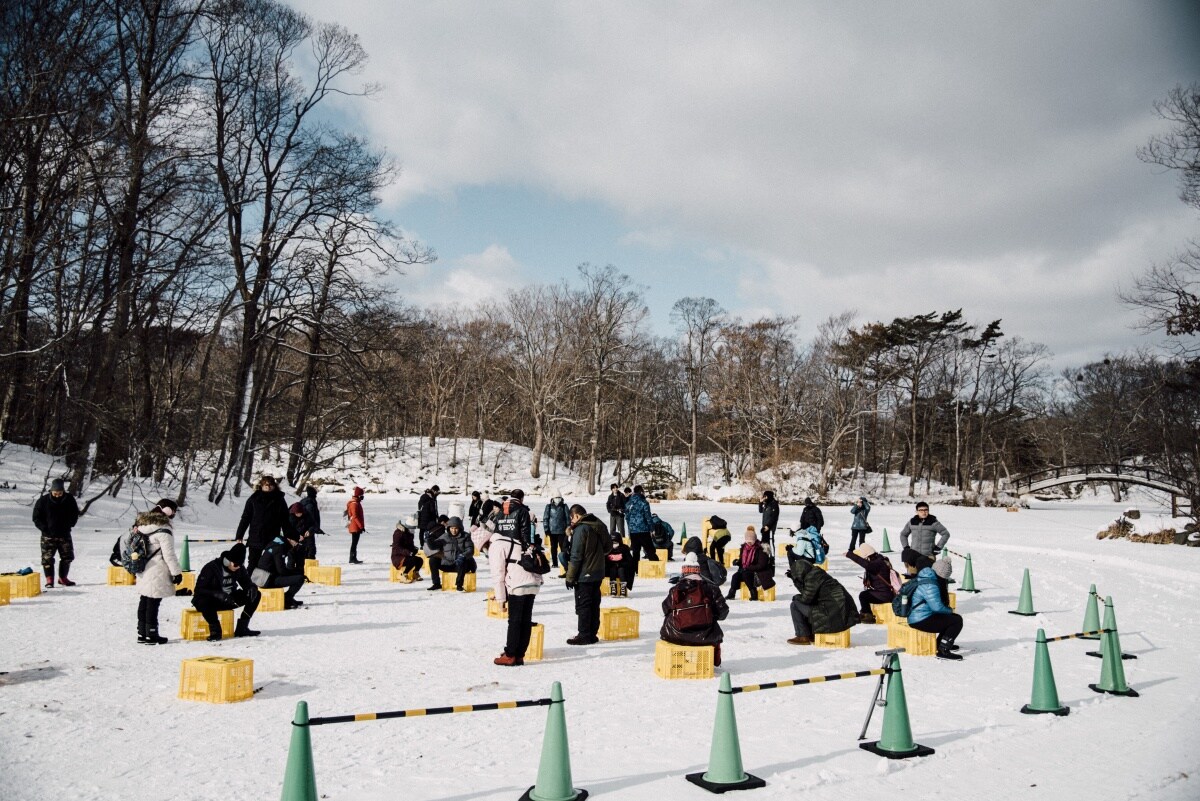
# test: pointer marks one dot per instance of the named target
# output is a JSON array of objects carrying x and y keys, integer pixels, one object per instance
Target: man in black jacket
[
  {"x": 811, "y": 516},
  {"x": 264, "y": 516},
  {"x": 616, "y": 510},
  {"x": 768, "y": 507},
  {"x": 513, "y": 521},
  {"x": 281, "y": 566},
  {"x": 427, "y": 511},
  {"x": 309, "y": 502},
  {"x": 55, "y": 514},
  {"x": 224, "y": 584}
]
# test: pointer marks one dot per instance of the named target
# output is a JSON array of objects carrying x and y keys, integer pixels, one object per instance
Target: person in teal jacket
[{"x": 928, "y": 613}]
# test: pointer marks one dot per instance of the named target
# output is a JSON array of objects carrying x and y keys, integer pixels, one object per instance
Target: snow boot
[
  {"x": 866, "y": 617},
  {"x": 62, "y": 577},
  {"x": 508, "y": 661},
  {"x": 944, "y": 652},
  {"x": 214, "y": 632},
  {"x": 800, "y": 641},
  {"x": 152, "y": 637},
  {"x": 243, "y": 629},
  {"x": 580, "y": 639},
  {"x": 142, "y": 632},
  {"x": 50, "y": 580}
]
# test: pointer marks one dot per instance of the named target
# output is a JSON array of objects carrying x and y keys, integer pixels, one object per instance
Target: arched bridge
[{"x": 1124, "y": 473}]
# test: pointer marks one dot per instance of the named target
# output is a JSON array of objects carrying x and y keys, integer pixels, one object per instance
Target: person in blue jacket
[
  {"x": 639, "y": 523},
  {"x": 928, "y": 613}
]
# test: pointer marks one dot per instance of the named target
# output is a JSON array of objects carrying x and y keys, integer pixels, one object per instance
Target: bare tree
[{"x": 698, "y": 324}]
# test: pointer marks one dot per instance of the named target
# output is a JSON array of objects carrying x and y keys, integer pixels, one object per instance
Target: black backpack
[
  {"x": 902, "y": 603},
  {"x": 135, "y": 551},
  {"x": 533, "y": 560},
  {"x": 717, "y": 522}
]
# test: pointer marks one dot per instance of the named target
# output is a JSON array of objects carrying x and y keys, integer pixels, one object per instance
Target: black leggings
[
  {"x": 148, "y": 612},
  {"x": 520, "y": 624},
  {"x": 947, "y": 627},
  {"x": 868, "y": 597}
]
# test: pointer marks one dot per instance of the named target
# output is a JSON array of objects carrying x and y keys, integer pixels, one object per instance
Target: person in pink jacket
[{"x": 516, "y": 589}]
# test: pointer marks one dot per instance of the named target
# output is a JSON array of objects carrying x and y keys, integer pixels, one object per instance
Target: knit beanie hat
[
  {"x": 57, "y": 485},
  {"x": 236, "y": 554},
  {"x": 691, "y": 566},
  {"x": 864, "y": 551},
  {"x": 942, "y": 568}
]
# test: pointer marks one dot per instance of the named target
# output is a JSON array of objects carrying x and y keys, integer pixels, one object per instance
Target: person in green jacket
[{"x": 585, "y": 571}]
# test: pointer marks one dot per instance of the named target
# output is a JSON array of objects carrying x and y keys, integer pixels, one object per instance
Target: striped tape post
[
  {"x": 426, "y": 712},
  {"x": 750, "y": 688},
  {"x": 1079, "y": 635}
]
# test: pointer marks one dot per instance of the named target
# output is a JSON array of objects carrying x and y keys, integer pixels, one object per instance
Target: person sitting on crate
[
  {"x": 753, "y": 567},
  {"x": 718, "y": 538},
  {"x": 457, "y": 553},
  {"x": 281, "y": 566},
  {"x": 224, "y": 584},
  {"x": 404, "y": 550},
  {"x": 711, "y": 570},
  {"x": 927, "y": 613},
  {"x": 823, "y": 606},
  {"x": 663, "y": 535},
  {"x": 619, "y": 564},
  {"x": 809, "y": 545},
  {"x": 692, "y": 610},
  {"x": 880, "y": 581}
]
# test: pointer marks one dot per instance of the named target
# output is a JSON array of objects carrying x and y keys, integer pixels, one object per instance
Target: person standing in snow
[
  {"x": 475, "y": 508},
  {"x": 224, "y": 584},
  {"x": 811, "y": 516},
  {"x": 555, "y": 520},
  {"x": 768, "y": 507},
  {"x": 54, "y": 515},
  {"x": 585, "y": 571},
  {"x": 640, "y": 523},
  {"x": 616, "y": 510},
  {"x": 356, "y": 523},
  {"x": 515, "y": 590},
  {"x": 692, "y": 611},
  {"x": 302, "y": 527},
  {"x": 859, "y": 527},
  {"x": 160, "y": 576},
  {"x": 427, "y": 511},
  {"x": 309, "y": 502},
  {"x": 264, "y": 516},
  {"x": 922, "y": 538},
  {"x": 513, "y": 519}
]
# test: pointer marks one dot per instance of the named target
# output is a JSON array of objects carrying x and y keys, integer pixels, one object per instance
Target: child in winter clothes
[
  {"x": 754, "y": 568},
  {"x": 515, "y": 589},
  {"x": 718, "y": 538},
  {"x": 692, "y": 610},
  {"x": 356, "y": 523},
  {"x": 880, "y": 581},
  {"x": 161, "y": 574},
  {"x": 404, "y": 551},
  {"x": 928, "y": 613},
  {"x": 619, "y": 564}
]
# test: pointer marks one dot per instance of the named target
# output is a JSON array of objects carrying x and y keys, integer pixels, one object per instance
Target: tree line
[{"x": 190, "y": 253}]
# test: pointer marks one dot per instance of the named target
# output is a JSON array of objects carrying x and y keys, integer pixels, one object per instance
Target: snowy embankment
[{"x": 87, "y": 713}]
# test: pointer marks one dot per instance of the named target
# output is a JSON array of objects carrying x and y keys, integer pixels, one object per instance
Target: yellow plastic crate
[
  {"x": 839, "y": 639},
  {"x": 3, "y": 593},
  {"x": 189, "y": 582},
  {"x": 311, "y": 563},
  {"x": 606, "y": 588},
  {"x": 192, "y": 625},
  {"x": 883, "y": 613},
  {"x": 494, "y": 608},
  {"x": 120, "y": 577},
  {"x": 272, "y": 601},
  {"x": 682, "y": 661},
  {"x": 448, "y": 580},
  {"x": 329, "y": 576},
  {"x": 619, "y": 623},
  {"x": 216, "y": 679},
  {"x": 953, "y": 600},
  {"x": 663, "y": 554},
  {"x": 824, "y": 565},
  {"x": 731, "y": 555},
  {"x": 651, "y": 570},
  {"x": 781, "y": 550},
  {"x": 27, "y": 586},
  {"x": 763, "y": 595},
  {"x": 399, "y": 576},
  {"x": 537, "y": 641},
  {"x": 914, "y": 641}
]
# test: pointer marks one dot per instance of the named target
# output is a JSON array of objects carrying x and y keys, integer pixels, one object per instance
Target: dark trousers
[
  {"x": 616, "y": 524},
  {"x": 623, "y": 570},
  {"x": 801, "y": 618},
  {"x": 946, "y": 627},
  {"x": 642, "y": 542},
  {"x": 310, "y": 546},
  {"x": 253, "y": 555},
  {"x": 857, "y": 537},
  {"x": 410, "y": 562},
  {"x": 558, "y": 542},
  {"x": 716, "y": 549},
  {"x": 748, "y": 578},
  {"x": 587, "y": 607},
  {"x": 64, "y": 548},
  {"x": 208, "y": 607},
  {"x": 354, "y": 545},
  {"x": 467, "y": 565},
  {"x": 289, "y": 584},
  {"x": 868, "y": 597},
  {"x": 520, "y": 623},
  {"x": 148, "y": 614}
]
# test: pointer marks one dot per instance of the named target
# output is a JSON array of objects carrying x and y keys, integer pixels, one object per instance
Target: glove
[
  {"x": 570, "y": 585},
  {"x": 788, "y": 574},
  {"x": 765, "y": 530},
  {"x": 177, "y": 578},
  {"x": 788, "y": 548}
]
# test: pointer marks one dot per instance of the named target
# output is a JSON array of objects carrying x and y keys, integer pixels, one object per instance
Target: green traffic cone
[
  {"x": 554, "y": 771},
  {"x": 968, "y": 582},
  {"x": 1025, "y": 605},
  {"x": 1091, "y": 615},
  {"x": 896, "y": 741},
  {"x": 1112, "y": 670},
  {"x": 1045, "y": 693},
  {"x": 887, "y": 546},
  {"x": 185, "y": 557},
  {"x": 300, "y": 779},
  {"x": 682, "y": 534},
  {"x": 725, "y": 756},
  {"x": 1110, "y": 624}
]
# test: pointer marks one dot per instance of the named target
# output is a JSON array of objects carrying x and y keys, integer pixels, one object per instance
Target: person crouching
[
  {"x": 224, "y": 584},
  {"x": 692, "y": 610},
  {"x": 281, "y": 566}
]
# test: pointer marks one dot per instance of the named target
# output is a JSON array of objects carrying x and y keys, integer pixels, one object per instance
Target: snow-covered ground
[{"x": 87, "y": 713}]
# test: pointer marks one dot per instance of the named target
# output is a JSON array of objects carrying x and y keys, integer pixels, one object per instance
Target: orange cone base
[
  {"x": 748, "y": 783},
  {"x": 1062, "y": 711},
  {"x": 579, "y": 795},
  {"x": 1132, "y": 693},
  {"x": 918, "y": 751},
  {"x": 1099, "y": 655}
]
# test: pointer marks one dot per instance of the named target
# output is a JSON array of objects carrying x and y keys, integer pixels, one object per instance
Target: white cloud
[{"x": 466, "y": 281}]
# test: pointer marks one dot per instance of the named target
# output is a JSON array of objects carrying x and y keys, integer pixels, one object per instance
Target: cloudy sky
[{"x": 788, "y": 158}]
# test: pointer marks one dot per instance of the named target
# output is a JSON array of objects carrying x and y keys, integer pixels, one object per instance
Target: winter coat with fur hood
[
  {"x": 509, "y": 577},
  {"x": 155, "y": 580}
]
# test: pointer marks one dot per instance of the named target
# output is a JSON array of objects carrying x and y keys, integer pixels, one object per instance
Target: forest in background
[{"x": 191, "y": 255}]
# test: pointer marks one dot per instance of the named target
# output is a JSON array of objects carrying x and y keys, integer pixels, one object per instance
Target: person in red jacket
[{"x": 356, "y": 523}]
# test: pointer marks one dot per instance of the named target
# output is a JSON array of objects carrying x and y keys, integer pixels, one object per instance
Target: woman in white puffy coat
[
  {"x": 160, "y": 576},
  {"x": 516, "y": 589}
]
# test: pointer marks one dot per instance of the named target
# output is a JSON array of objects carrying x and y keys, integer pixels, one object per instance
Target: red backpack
[{"x": 690, "y": 609}]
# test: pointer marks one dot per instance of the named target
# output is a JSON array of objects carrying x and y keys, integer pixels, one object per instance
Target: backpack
[
  {"x": 717, "y": 522},
  {"x": 135, "y": 551},
  {"x": 818, "y": 550},
  {"x": 690, "y": 611},
  {"x": 533, "y": 560},
  {"x": 902, "y": 603},
  {"x": 894, "y": 578}
]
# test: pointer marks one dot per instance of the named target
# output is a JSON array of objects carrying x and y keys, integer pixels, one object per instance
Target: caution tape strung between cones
[
  {"x": 749, "y": 688},
  {"x": 1079, "y": 634},
  {"x": 230, "y": 539},
  {"x": 419, "y": 713}
]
